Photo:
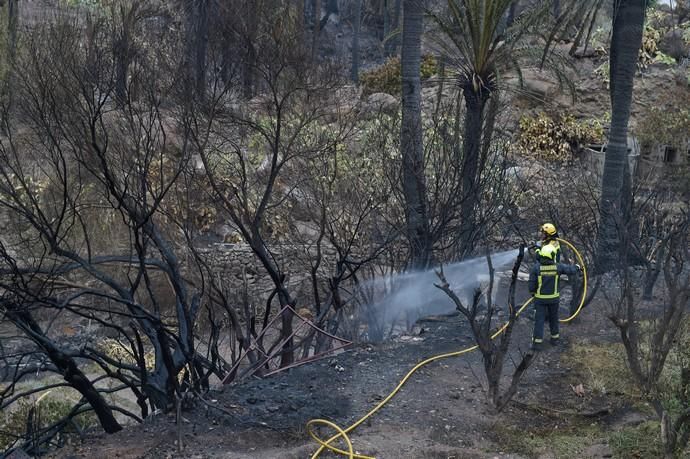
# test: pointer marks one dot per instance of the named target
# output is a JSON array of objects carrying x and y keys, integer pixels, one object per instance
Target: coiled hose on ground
[{"x": 343, "y": 433}]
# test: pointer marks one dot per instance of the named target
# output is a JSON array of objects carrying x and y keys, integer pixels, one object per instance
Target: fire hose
[{"x": 343, "y": 433}]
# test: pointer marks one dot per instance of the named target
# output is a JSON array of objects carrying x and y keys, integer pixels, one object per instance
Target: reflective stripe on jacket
[
  {"x": 547, "y": 283},
  {"x": 544, "y": 277}
]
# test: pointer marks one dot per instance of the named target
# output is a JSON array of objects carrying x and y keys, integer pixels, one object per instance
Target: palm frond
[{"x": 473, "y": 41}]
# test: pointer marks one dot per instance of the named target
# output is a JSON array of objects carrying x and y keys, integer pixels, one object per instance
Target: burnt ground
[{"x": 440, "y": 413}]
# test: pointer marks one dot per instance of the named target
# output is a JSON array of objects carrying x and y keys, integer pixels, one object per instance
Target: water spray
[{"x": 414, "y": 292}]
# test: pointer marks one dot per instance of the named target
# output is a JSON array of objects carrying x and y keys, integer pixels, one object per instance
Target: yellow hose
[
  {"x": 584, "y": 281},
  {"x": 343, "y": 433}
]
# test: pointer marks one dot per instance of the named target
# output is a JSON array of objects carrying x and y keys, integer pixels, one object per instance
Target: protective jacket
[{"x": 543, "y": 280}]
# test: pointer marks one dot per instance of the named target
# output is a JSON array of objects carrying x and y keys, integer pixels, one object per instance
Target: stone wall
[{"x": 232, "y": 263}]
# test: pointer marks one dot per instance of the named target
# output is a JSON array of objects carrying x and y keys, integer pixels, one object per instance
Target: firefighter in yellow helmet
[
  {"x": 549, "y": 236},
  {"x": 543, "y": 285}
]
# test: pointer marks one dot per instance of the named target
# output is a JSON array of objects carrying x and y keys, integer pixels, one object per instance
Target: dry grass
[
  {"x": 603, "y": 368},
  {"x": 564, "y": 443}
]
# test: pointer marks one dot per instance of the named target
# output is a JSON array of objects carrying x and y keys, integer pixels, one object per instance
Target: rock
[
  {"x": 673, "y": 44},
  {"x": 538, "y": 84},
  {"x": 632, "y": 419},
  {"x": 597, "y": 451},
  {"x": 382, "y": 102},
  {"x": 591, "y": 51}
]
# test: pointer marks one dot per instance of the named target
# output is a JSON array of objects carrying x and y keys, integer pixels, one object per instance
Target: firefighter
[
  {"x": 543, "y": 285},
  {"x": 549, "y": 236}
]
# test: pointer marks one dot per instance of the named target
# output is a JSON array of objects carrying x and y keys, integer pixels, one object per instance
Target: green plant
[
  {"x": 604, "y": 73},
  {"x": 663, "y": 58},
  {"x": 600, "y": 40},
  {"x": 641, "y": 441},
  {"x": 649, "y": 51},
  {"x": 602, "y": 368},
  {"x": 556, "y": 139},
  {"x": 673, "y": 387},
  {"x": 667, "y": 124},
  {"x": 686, "y": 32},
  {"x": 565, "y": 442},
  {"x": 429, "y": 66},
  {"x": 116, "y": 350},
  {"x": 650, "y": 46},
  {"x": 387, "y": 78},
  {"x": 44, "y": 411}
]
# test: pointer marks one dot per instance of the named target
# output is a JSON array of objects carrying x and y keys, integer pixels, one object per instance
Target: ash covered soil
[{"x": 440, "y": 413}]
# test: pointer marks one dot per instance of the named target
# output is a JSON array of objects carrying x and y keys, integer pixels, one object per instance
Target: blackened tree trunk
[
  {"x": 386, "y": 20},
  {"x": 355, "y": 41},
  {"x": 12, "y": 26},
  {"x": 122, "y": 51},
  {"x": 626, "y": 38},
  {"x": 397, "y": 11},
  {"x": 391, "y": 10},
  {"x": 395, "y": 39},
  {"x": 414, "y": 186},
  {"x": 197, "y": 44},
  {"x": 306, "y": 13},
  {"x": 316, "y": 29},
  {"x": 201, "y": 41},
  {"x": 475, "y": 103},
  {"x": 249, "y": 63},
  {"x": 121, "y": 70},
  {"x": 67, "y": 367}
]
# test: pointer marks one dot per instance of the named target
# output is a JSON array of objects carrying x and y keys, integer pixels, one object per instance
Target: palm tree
[
  {"x": 414, "y": 185},
  {"x": 479, "y": 47},
  {"x": 626, "y": 39}
]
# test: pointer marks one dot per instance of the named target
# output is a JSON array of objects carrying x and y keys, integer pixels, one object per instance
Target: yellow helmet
[
  {"x": 548, "y": 251},
  {"x": 549, "y": 229}
]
